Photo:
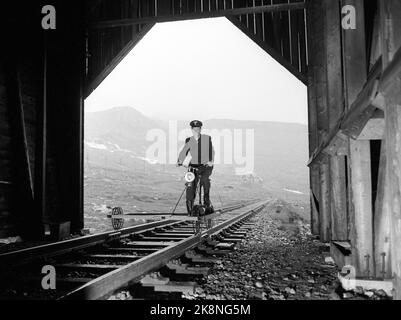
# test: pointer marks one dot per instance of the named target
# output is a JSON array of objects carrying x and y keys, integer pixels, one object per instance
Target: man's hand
[{"x": 210, "y": 164}]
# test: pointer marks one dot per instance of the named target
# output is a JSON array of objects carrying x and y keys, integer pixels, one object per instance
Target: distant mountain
[
  {"x": 117, "y": 138},
  {"x": 123, "y": 126}
]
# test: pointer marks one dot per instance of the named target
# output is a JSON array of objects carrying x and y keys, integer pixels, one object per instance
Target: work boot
[{"x": 209, "y": 209}]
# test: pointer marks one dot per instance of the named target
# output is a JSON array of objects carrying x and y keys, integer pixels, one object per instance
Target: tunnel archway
[{"x": 208, "y": 69}]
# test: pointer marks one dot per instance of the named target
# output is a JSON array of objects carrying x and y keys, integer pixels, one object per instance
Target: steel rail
[
  {"x": 111, "y": 281},
  {"x": 26, "y": 255},
  {"x": 178, "y": 216},
  {"x": 53, "y": 249}
]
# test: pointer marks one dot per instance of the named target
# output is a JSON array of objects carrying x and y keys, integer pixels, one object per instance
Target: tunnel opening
[{"x": 137, "y": 119}]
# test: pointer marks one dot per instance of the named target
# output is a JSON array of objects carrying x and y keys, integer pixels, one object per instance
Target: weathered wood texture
[
  {"x": 107, "y": 47},
  {"x": 361, "y": 219},
  {"x": 324, "y": 203},
  {"x": 360, "y": 208},
  {"x": 335, "y": 104},
  {"x": 314, "y": 180},
  {"x": 282, "y": 34},
  {"x": 320, "y": 75},
  {"x": 280, "y": 51},
  {"x": 390, "y": 17}
]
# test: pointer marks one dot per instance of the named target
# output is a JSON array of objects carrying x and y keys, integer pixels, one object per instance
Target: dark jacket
[{"x": 202, "y": 151}]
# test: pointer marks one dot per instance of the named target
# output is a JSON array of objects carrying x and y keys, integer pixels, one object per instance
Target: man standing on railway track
[{"x": 202, "y": 152}]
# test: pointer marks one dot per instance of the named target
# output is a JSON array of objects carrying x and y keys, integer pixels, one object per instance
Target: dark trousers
[{"x": 204, "y": 174}]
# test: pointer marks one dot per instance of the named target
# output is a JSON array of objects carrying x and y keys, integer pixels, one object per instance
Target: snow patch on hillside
[{"x": 293, "y": 191}]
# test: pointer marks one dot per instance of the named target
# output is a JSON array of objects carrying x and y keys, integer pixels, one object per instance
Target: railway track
[{"x": 93, "y": 267}]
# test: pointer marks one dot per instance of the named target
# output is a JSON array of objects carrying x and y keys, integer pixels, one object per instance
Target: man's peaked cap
[{"x": 196, "y": 124}]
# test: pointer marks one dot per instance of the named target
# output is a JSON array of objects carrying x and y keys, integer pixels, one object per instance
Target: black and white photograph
[{"x": 200, "y": 157}]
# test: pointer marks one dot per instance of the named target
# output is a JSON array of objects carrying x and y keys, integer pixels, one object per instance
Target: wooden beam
[
  {"x": 361, "y": 219},
  {"x": 314, "y": 179},
  {"x": 325, "y": 202},
  {"x": 360, "y": 193},
  {"x": 353, "y": 120},
  {"x": 355, "y": 61},
  {"x": 360, "y": 112},
  {"x": 64, "y": 200},
  {"x": 338, "y": 196},
  {"x": 335, "y": 103},
  {"x": 363, "y": 108},
  {"x": 200, "y": 15},
  {"x": 391, "y": 72},
  {"x": 390, "y": 88},
  {"x": 334, "y": 64},
  {"x": 294, "y": 26},
  {"x": 338, "y": 146},
  {"x": 320, "y": 76},
  {"x": 390, "y": 23},
  {"x": 373, "y": 130}
]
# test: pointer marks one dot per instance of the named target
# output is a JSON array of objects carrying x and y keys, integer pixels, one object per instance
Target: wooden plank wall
[
  {"x": 41, "y": 120},
  {"x": 338, "y": 59},
  {"x": 312, "y": 120},
  {"x": 373, "y": 176},
  {"x": 7, "y": 227},
  {"x": 335, "y": 104},
  {"x": 281, "y": 34},
  {"x": 390, "y": 17},
  {"x": 107, "y": 47}
]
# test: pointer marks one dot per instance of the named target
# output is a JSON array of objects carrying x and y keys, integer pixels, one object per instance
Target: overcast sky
[{"x": 202, "y": 69}]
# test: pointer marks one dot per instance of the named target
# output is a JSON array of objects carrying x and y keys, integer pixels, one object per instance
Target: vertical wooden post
[
  {"x": 314, "y": 180},
  {"x": 322, "y": 118},
  {"x": 390, "y": 16},
  {"x": 393, "y": 154},
  {"x": 360, "y": 211},
  {"x": 66, "y": 57},
  {"x": 318, "y": 118},
  {"x": 324, "y": 205},
  {"x": 338, "y": 188},
  {"x": 361, "y": 221}
]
